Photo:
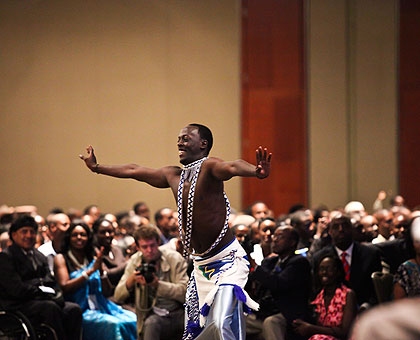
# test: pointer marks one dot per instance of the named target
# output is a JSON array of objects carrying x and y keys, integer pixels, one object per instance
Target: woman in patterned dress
[
  {"x": 407, "y": 277},
  {"x": 335, "y": 305}
]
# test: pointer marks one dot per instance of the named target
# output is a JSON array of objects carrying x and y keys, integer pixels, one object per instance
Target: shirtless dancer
[{"x": 215, "y": 297}]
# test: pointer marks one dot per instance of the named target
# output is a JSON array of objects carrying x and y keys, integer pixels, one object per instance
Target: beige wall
[
  {"x": 124, "y": 76},
  {"x": 327, "y": 103},
  {"x": 352, "y": 65},
  {"x": 373, "y": 97}
]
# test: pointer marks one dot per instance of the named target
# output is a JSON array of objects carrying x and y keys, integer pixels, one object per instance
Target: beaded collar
[{"x": 190, "y": 172}]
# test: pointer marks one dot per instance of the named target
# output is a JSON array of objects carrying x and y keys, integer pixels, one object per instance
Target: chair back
[{"x": 383, "y": 285}]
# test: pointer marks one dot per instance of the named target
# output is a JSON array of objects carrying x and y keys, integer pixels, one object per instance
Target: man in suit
[
  {"x": 359, "y": 260},
  {"x": 28, "y": 286},
  {"x": 283, "y": 287}
]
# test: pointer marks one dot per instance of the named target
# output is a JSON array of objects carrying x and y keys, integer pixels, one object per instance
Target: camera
[{"x": 147, "y": 269}]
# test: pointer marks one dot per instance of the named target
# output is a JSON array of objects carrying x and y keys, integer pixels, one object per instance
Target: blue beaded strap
[
  {"x": 192, "y": 311},
  {"x": 186, "y": 238}
]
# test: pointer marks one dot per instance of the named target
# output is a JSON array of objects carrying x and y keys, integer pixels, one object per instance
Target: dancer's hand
[
  {"x": 263, "y": 162},
  {"x": 90, "y": 159}
]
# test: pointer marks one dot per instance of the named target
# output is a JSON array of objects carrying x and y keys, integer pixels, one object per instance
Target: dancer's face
[{"x": 190, "y": 145}]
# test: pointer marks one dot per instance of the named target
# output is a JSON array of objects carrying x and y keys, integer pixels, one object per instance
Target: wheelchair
[{"x": 15, "y": 326}]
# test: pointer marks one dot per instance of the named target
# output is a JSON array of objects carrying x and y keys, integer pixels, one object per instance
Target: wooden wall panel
[
  {"x": 409, "y": 101},
  {"x": 273, "y": 100}
]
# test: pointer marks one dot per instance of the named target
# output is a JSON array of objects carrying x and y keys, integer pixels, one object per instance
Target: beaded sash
[{"x": 191, "y": 172}]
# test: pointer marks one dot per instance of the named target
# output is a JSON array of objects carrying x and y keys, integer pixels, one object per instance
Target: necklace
[
  {"x": 191, "y": 172},
  {"x": 76, "y": 262}
]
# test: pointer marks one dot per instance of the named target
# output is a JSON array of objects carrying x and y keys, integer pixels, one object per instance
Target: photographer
[{"x": 158, "y": 279}]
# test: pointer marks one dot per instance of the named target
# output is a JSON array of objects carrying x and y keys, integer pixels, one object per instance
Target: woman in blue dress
[{"x": 80, "y": 273}]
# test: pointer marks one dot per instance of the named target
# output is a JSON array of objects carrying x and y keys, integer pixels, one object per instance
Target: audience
[
  {"x": 385, "y": 226},
  {"x": 279, "y": 278},
  {"x": 141, "y": 209},
  {"x": 302, "y": 221},
  {"x": 113, "y": 219},
  {"x": 4, "y": 240},
  {"x": 166, "y": 222},
  {"x": 335, "y": 305},
  {"x": 321, "y": 238},
  {"x": 93, "y": 211},
  {"x": 262, "y": 249},
  {"x": 369, "y": 227},
  {"x": 27, "y": 285},
  {"x": 6, "y": 217},
  {"x": 359, "y": 260},
  {"x": 88, "y": 220},
  {"x": 283, "y": 284},
  {"x": 407, "y": 277},
  {"x": 81, "y": 277},
  {"x": 242, "y": 233},
  {"x": 124, "y": 235},
  {"x": 391, "y": 321},
  {"x": 57, "y": 226},
  {"x": 258, "y": 210},
  {"x": 401, "y": 220},
  {"x": 113, "y": 260},
  {"x": 158, "y": 279},
  {"x": 355, "y": 210}
]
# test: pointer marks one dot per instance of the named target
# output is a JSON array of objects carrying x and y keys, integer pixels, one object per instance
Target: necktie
[
  {"x": 31, "y": 257},
  {"x": 346, "y": 265}
]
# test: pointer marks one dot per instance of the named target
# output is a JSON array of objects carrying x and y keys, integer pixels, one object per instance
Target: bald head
[
  {"x": 166, "y": 222},
  {"x": 385, "y": 222},
  {"x": 382, "y": 214},
  {"x": 58, "y": 224},
  {"x": 259, "y": 210},
  {"x": 285, "y": 240}
]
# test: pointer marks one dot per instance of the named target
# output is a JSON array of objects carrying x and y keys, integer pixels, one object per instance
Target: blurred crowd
[{"x": 310, "y": 269}]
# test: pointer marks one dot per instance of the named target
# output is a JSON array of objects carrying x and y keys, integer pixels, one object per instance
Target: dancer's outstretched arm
[
  {"x": 226, "y": 170},
  {"x": 155, "y": 177}
]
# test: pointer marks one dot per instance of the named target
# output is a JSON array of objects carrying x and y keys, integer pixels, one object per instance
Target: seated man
[
  {"x": 166, "y": 222},
  {"x": 283, "y": 287},
  {"x": 385, "y": 226},
  {"x": 57, "y": 226},
  {"x": 266, "y": 228},
  {"x": 28, "y": 286},
  {"x": 359, "y": 260},
  {"x": 158, "y": 278}
]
